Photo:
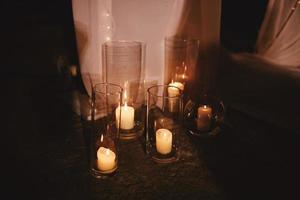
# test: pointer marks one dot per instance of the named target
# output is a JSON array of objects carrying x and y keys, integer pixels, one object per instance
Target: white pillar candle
[
  {"x": 172, "y": 91},
  {"x": 106, "y": 159},
  {"x": 127, "y": 117},
  {"x": 163, "y": 141},
  {"x": 204, "y": 117}
]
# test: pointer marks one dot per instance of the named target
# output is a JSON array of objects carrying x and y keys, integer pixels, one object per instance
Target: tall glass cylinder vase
[
  {"x": 123, "y": 64},
  {"x": 106, "y": 98},
  {"x": 181, "y": 54},
  {"x": 164, "y": 122}
]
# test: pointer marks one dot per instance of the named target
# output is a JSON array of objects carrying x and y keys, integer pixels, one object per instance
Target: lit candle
[
  {"x": 204, "y": 117},
  {"x": 163, "y": 141},
  {"x": 106, "y": 159},
  {"x": 172, "y": 91},
  {"x": 127, "y": 117}
]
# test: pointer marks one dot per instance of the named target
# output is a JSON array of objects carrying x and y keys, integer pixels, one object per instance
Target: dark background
[
  {"x": 240, "y": 23},
  {"x": 38, "y": 37}
]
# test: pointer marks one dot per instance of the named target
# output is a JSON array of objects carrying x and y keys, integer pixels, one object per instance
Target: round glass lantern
[
  {"x": 164, "y": 122},
  {"x": 106, "y": 98},
  {"x": 204, "y": 117},
  {"x": 123, "y": 64}
]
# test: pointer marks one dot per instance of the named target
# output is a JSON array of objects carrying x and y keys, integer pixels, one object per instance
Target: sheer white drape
[
  {"x": 93, "y": 26},
  {"x": 279, "y": 36},
  {"x": 149, "y": 21},
  {"x": 263, "y": 83}
]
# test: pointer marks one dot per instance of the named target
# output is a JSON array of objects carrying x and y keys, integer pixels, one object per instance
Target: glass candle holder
[
  {"x": 181, "y": 54},
  {"x": 204, "y": 116},
  {"x": 164, "y": 122},
  {"x": 106, "y": 98},
  {"x": 123, "y": 64}
]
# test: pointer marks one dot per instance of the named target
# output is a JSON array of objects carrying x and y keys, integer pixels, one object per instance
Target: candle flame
[
  {"x": 205, "y": 106},
  {"x": 101, "y": 138}
]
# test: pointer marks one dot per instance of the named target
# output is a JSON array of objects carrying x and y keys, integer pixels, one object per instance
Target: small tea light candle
[
  {"x": 127, "y": 117},
  {"x": 163, "y": 141},
  {"x": 204, "y": 117},
  {"x": 106, "y": 159}
]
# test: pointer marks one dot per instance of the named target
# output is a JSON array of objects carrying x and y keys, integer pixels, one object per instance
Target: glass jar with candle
[
  {"x": 106, "y": 98},
  {"x": 204, "y": 117},
  {"x": 123, "y": 64},
  {"x": 181, "y": 54},
  {"x": 164, "y": 122}
]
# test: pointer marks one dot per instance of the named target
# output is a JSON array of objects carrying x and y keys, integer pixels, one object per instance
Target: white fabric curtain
[
  {"x": 93, "y": 26},
  {"x": 279, "y": 36},
  {"x": 149, "y": 21},
  {"x": 262, "y": 83}
]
